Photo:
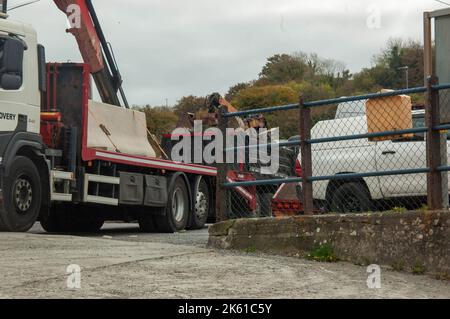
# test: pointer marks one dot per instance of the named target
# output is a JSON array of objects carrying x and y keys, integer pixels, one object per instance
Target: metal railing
[{"x": 434, "y": 166}]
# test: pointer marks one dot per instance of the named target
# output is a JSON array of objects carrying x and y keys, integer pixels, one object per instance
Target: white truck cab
[
  {"x": 19, "y": 77},
  {"x": 23, "y": 166}
]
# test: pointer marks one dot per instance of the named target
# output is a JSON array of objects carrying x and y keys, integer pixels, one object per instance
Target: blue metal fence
[{"x": 307, "y": 177}]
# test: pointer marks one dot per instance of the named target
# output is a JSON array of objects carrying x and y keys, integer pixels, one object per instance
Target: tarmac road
[{"x": 120, "y": 262}]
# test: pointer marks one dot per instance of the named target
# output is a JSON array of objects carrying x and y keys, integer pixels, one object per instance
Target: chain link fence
[
  {"x": 383, "y": 151},
  {"x": 261, "y": 180}
]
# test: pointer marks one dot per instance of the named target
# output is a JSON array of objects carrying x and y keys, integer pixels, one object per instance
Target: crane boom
[{"x": 95, "y": 50}]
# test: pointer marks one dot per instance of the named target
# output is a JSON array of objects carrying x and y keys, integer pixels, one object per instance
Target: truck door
[
  {"x": 18, "y": 96},
  {"x": 408, "y": 153}
]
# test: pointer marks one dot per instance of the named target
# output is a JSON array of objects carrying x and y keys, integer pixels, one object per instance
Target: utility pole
[
  {"x": 406, "y": 68},
  {"x": 436, "y": 63},
  {"x": 4, "y": 4}
]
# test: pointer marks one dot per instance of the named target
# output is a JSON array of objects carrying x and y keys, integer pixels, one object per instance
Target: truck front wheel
[
  {"x": 351, "y": 198},
  {"x": 176, "y": 213},
  {"x": 22, "y": 196}
]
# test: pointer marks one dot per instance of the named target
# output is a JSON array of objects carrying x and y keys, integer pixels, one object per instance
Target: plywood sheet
[{"x": 118, "y": 129}]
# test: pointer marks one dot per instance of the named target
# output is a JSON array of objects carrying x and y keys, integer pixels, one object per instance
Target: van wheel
[
  {"x": 351, "y": 198},
  {"x": 22, "y": 196},
  {"x": 202, "y": 204},
  {"x": 177, "y": 211}
]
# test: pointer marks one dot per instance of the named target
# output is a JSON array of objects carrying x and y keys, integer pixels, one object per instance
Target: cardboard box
[{"x": 389, "y": 114}]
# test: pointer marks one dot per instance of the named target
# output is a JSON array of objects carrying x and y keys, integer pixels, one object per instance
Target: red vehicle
[{"x": 73, "y": 163}]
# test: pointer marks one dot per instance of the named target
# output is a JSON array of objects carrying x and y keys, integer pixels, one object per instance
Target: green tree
[
  {"x": 190, "y": 104},
  {"x": 282, "y": 68},
  {"x": 235, "y": 89},
  {"x": 370, "y": 80},
  {"x": 160, "y": 120},
  {"x": 385, "y": 72},
  {"x": 412, "y": 56},
  {"x": 264, "y": 96},
  {"x": 300, "y": 67},
  {"x": 271, "y": 95}
]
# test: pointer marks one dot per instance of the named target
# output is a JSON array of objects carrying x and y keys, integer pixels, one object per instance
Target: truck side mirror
[
  {"x": 10, "y": 82},
  {"x": 11, "y": 64}
]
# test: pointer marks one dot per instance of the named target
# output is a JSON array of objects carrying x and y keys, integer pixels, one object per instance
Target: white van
[{"x": 363, "y": 156}]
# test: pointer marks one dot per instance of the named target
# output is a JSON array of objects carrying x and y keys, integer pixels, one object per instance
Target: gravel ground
[
  {"x": 130, "y": 232},
  {"x": 122, "y": 263}
]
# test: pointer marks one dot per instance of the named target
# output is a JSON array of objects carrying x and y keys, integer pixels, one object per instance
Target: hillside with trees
[{"x": 285, "y": 77}]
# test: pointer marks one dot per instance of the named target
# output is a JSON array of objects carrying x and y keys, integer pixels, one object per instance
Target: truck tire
[
  {"x": 197, "y": 220},
  {"x": 351, "y": 198},
  {"x": 22, "y": 196},
  {"x": 50, "y": 222},
  {"x": 177, "y": 211}
]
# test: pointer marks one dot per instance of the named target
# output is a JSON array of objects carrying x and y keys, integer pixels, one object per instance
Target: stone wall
[{"x": 406, "y": 241}]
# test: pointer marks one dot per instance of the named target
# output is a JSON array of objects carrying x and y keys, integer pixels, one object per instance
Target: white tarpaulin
[{"x": 118, "y": 129}]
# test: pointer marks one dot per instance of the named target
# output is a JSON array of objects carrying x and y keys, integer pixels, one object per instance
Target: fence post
[
  {"x": 435, "y": 187},
  {"x": 221, "y": 192},
  {"x": 306, "y": 158}
]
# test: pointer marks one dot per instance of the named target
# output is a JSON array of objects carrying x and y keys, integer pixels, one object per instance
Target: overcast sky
[{"x": 171, "y": 48}]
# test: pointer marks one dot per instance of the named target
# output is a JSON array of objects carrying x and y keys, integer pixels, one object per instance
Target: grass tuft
[
  {"x": 418, "y": 269},
  {"x": 325, "y": 253}
]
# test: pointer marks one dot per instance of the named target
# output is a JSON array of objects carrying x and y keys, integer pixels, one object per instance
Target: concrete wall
[{"x": 402, "y": 240}]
